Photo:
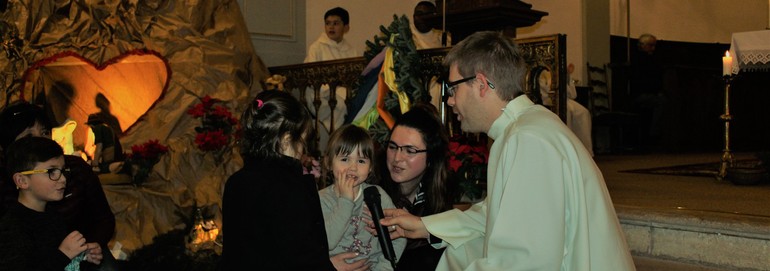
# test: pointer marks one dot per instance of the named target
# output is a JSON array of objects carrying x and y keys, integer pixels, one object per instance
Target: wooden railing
[
  {"x": 345, "y": 73},
  {"x": 547, "y": 51},
  {"x": 336, "y": 73}
]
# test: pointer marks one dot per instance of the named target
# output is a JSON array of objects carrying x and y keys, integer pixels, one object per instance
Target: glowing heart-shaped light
[{"x": 75, "y": 87}]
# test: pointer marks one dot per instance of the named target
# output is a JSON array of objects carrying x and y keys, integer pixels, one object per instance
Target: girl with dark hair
[{"x": 271, "y": 213}]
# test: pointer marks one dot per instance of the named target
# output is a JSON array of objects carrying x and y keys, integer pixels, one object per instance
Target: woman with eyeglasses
[
  {"x": 84, "y": 206},
  {"x": 416, "y": 175}
]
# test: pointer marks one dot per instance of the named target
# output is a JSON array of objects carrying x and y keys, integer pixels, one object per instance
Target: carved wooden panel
[{"x": 549, "y": 52}]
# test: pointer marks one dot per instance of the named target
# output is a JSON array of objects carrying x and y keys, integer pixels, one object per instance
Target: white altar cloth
[{"x": 751, "y": 51}]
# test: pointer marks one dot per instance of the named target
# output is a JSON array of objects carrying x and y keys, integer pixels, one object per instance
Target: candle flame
[{"x": 727, "y": 53}]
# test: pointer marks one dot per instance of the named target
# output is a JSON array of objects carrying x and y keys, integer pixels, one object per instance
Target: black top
[
  {"x": 272, "y": 220},
  {"x": 84, "y": 207},
  {"x": 646, "y": 74},
  {"x": 419, "y": 254},
  {"x": 31, "y": 239}
]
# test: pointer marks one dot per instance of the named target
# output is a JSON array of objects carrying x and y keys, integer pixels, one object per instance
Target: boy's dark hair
[
  {"x": 338, "y": 11},
  {"x": 25, "y": 153},
  {"x": 271, "y": 115},
  {"x": 343, "y": 141},
  {"x": 17, "y": 117}
]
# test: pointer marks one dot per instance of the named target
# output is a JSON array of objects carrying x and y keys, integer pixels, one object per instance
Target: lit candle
[{"x": 727, "y": 64}]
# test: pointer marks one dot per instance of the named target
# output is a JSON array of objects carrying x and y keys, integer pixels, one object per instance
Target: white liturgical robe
[{"x": 547, "y": 206}]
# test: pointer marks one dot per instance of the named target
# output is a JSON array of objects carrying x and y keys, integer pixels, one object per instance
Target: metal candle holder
[{"x": 727, "y": 156}]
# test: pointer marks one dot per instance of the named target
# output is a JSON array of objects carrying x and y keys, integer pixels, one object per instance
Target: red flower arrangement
[
  {"x": 468, "y": 164},
  {"x": 218, "y": 125},
  {"x": 142, "y": 158}
]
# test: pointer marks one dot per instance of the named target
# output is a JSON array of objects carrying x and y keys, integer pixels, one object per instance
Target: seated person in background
[
  {"x": 84, "y": 207},
  {"x": 425, "y": 36},
  {"x": 35, "y": 238},
  {"x": 331, "y": 45},
  {"x": 417, "y": 181},
  {"x": 349, "y": 162},
  {"x": 647, "y": 89},
  {"x": 578, "y": 117},
  {"x": 108, "y": 149}
]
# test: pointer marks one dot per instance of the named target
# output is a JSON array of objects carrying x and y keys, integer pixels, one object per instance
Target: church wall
[
  {"x": 564, "y": 17},
  {"x": 587, "y": 24},
  {"x": 596, "y": 48},
  {"x": 711, "y": 21},
  {"x": 276, "y": 29}
]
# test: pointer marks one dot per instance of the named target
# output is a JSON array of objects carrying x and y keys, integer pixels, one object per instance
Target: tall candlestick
[{"x": 727, "y": 64}]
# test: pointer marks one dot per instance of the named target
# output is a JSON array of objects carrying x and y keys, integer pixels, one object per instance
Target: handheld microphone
[{"x": 372, "y": 199}]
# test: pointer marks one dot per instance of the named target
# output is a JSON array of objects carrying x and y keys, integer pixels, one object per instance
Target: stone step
[
  {"x": 721, "y": 241},
  {"x": 644, "y": 263}
]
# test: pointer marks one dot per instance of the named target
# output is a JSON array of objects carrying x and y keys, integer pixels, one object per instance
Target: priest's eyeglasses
[
  {"x": 53, "y": 173},
  {"x": 451, "y": 86},
  {"x": 409, "y": 150}
]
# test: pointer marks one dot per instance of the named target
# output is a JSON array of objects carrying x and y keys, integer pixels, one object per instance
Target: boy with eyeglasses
[
  {"x": 84, "y": 207},
  {"x": 35, "y": 238}
]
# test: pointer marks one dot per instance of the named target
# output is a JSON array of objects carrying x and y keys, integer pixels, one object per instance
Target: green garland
[{"x": 406, "y": 67}]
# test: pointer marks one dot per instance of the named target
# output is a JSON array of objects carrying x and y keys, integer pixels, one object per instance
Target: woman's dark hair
[
  {"x": 26, "y": 152},
  {"x": 343, "y": 141},
  {"x": 17, "y": 117},
  {"x": 423, "y": 117},
  {"x": 271, "y": 115}
]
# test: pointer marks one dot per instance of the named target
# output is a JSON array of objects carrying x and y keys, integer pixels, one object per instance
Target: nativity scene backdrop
[
  {"x": 173, "y": 77},
  {"x": 157, "y": 67}
]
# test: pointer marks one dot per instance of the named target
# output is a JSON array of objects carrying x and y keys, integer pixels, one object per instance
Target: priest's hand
[{"x": 406, "y": 224}]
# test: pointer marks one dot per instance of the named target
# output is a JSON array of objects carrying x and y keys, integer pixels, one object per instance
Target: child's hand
[
  {"x": 73, "y": 244},
  {"x": 345, "y": 185},
  {"x": 94, "y": 254}
]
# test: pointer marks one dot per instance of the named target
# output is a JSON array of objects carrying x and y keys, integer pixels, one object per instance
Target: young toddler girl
[{"x": 349, "y": 161}]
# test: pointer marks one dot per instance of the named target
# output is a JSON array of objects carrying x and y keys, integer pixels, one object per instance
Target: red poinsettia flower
[
  {"x": 468, "y": 162},
  {"x": 454, "y": 164},
  {"x": 142, "y": 158},
  {"x": 221, "y": 111},
  {"x": 207, "y": 101},
  {"x": 211, "y": 140},
  {"x": 218, "y": 125},
  {"x": 150, "y": 150},
  {"x": 197, "y": 111}
]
